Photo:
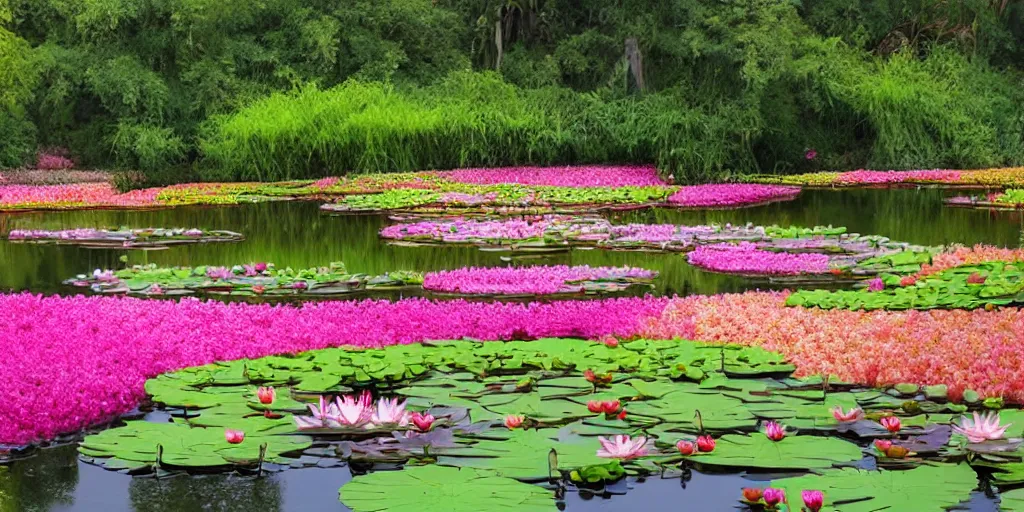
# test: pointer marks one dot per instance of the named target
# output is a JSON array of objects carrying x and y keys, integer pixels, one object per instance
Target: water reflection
[{"x": 297, "y": 234}]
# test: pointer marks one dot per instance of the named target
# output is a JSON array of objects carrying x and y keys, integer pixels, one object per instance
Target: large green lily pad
[
  {"x": 138, "y": 444},
  {"x": 930, "y": 487},
  {"x": 792, "y": 452},
  {"x": 442, "y": 489},
  {"x": 523, "y": 454}
]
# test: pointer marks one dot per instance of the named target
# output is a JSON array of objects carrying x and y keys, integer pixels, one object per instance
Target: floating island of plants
[
  {"x": 463, "y": 199},
  {"x": 988, "y": 284},
  {"x": 519, "y": 189},
  {"x": 483, "y": 421},
  {"x": 256, "y": 279},
  {"x": 825, "y": 253},
  {"x": 980, "y": 178},
  {"x": 265, "y": 279},
  {"x": 1010, "y": 199},
  {"x": 124, "y": 238}
]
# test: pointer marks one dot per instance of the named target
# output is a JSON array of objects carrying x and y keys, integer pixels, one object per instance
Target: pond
[{"x": 298, "y": 234}]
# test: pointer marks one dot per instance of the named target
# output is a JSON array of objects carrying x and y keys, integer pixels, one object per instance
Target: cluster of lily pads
[
  {"x": 496, "y": 416},
  {"x": 266, "y": 279},
  {"x": 254, "y": 279},
  {"x": 1009, "y": 199},
  {"x": 980, "y": 178},
  {"x": 826, "y": 252},
  {"x": 536, "y": 280},
  {"x": 987, "y": 284},
  {"x": 149, "y": 238}
]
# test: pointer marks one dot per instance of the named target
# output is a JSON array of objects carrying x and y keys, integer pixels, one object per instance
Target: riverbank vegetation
[{"x": 282, "y": 89}]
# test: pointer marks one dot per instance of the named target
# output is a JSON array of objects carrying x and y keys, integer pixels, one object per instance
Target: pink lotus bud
[
  {"x": 774, "y": 431},
  {"x": 705, "y": 444},
  {"x": 514, "y": 421},
  {"x": 422, "y": 421},
  {"x": 813, "y": 500},
  {"x": 234, "y": 436},
  {"x": 266, "y": 395},
  {"x": 891, "y": 423},
  {"x": 774, "y": 496},
  {"x": 686, "y": 447}
]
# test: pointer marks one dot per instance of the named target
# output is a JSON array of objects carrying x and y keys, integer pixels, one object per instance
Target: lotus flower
[
  {"x": 855, "y": 414},
  {"x": 260, "y": 267},
  {"x": 686, "y": 447},
  {"x": 422, "y": 421},
  {"x": 595, "y": 406},
  {"x": 976, "y": 278},
  {"x": 876, "y": 285},
  {"x": 104, "y": 276},
  {"x": 622, "y": 447},
  {"x": 155, "y": 289},
  {"x": 611, "y": 406},
  {"x": 891, "y": 423},
  {"x": 250, "y": 270},
  {"x": 350, "y": 412},
  {"x": 322, "y": 416},
  {"x": 982, "y": 428},
  {"x": 258, "y": 290},
  {"x": 266, "y": 395},
  {"x": 193, "y": 232},
  {"x": 219, "y": 273},
  {"x": 908, "y": 281},
  {"x": 774, "y": 431},
  {"x": 813, "y": 500},
  {"x": 752, "y": 494},
  {"x": 299, "y": 285},
  {"x": 811, "y": 154},
  {"x": 774, "y": 496},
  {"x": 597, "y": 379},
  {"x": 514, "y": 421},
  {"x": 883, "y": 444},
  {"x": 622, "y": 415},
  {"x": 390, "y": 412},
  {"x": 610, "y": 341},
  {"x": 234, "y": 436},
  {"x": 705, "y": 444}
]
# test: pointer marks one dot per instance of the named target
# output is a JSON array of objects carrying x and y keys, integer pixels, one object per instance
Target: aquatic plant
[
  {"x": 979, "y": 178},
  {"x": 982, "y": 428},
  {"x": 535, "y": 280},
  {"x": 747, "y": 258},
  {"x": 622, "y": 447},
  {"x": 730, "y": 195},
  {"x": 571, "y": 176},
  {"x": 149, "y": 238},
  {"x": 239, "y": 280}
]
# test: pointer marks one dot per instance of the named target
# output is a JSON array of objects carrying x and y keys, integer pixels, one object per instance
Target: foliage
[{"x": 286, "y": 89}]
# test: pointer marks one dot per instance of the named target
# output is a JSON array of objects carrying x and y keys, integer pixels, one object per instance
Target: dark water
[{"x": 297, "y": 234}]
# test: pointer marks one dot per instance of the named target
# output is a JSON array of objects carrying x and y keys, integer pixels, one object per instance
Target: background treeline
[{"x": 272, "y": 89}]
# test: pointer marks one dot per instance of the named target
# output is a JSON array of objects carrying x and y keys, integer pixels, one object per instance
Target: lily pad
[
  {"x": 792, "y": 452},
  {"x": 440, "y": 488},
  {"x": 929, "y": 487}
]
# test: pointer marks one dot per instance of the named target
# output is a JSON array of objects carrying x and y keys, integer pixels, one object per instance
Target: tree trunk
[{"x": 635, "y": 73}]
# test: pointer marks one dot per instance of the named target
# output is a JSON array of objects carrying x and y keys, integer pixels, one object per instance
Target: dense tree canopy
[{"x": 727, "y": 85}]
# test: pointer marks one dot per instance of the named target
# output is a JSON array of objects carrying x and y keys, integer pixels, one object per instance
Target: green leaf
[{"x": 442, "y": 489}]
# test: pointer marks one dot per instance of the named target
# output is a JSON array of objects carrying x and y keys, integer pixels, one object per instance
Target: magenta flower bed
[
  {"x": 573, "y": 176},
  {"x": 71, "y": 362},
  {"x": 75, "y": 195},
  {"x": 746, "y": 258},
  {"x": 462, "y": 230},
  {"x": 731, "y": 194},
  {"x": 886, "y": 177},
  {"x": 540, "y": 280}
]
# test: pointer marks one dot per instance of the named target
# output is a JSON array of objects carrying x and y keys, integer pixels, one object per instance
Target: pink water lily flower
[
  {"x": 266, "y": 395},
  {"x": 390, "y": 412},
  {"x": 514, "y": 421},
  {"x": 234, "y": 436},
  {"x": 813, "y": 500},
  {"x": 876, "y": 285},
  {"x": 774, "y": 496},
  {"x": 622, "y": 447},
  {"x": 352, "y": 412},
  {"x": 774, "y": 431},
  {"x": 423, "y": 421},
  {"x": 322, "y": 416},
  {"x": 855, "y": 414},
  {"x": 219, "y": 273},
  {"x": 982, "y": 428},
  {"x": 891, "y": 423}
]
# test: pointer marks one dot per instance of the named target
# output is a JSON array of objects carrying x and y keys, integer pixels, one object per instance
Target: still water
[{"x": 299, "y": 235}]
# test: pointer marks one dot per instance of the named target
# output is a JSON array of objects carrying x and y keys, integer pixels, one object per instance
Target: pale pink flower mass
[
  {"x": 622, "y": 447},
  {"x": 982, "y": 428},
  {"x": 855, "y": 414}
]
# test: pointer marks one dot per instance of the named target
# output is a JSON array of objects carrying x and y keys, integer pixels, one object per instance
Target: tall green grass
[{"x": 468, "y": 119}]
